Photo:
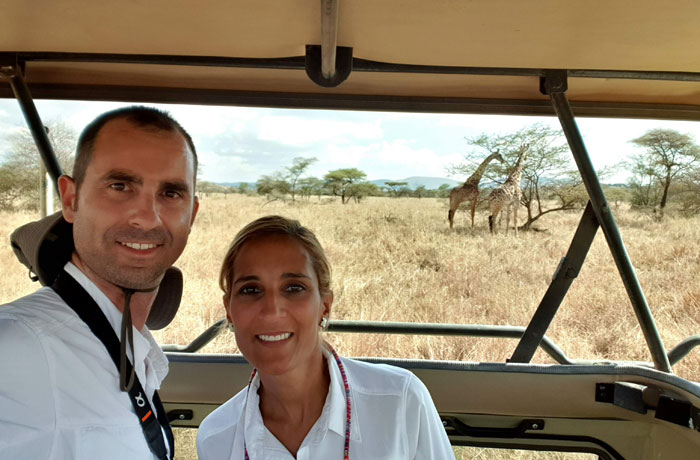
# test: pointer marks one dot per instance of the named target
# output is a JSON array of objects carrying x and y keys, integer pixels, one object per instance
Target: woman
[{"x": 303, "y": 401}]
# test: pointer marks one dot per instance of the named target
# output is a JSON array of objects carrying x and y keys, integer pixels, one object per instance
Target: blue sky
[{"x": 241, "y": 144}]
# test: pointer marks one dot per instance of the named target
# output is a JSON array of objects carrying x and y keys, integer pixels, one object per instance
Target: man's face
[{"x": 134, "y": 210}]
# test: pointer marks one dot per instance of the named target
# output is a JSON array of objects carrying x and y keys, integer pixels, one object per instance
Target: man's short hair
[{"x": 148, "y": 118}]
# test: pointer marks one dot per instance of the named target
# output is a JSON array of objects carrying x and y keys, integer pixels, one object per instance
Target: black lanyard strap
[{"x": 87, "y": 309}]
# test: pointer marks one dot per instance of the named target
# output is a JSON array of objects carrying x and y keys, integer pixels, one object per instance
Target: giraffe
[
  {"x": 508, "y": 195},
  {"x": 469, "y": 191}
]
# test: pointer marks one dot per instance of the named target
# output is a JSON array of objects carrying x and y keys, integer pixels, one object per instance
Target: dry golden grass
[{"x": 397, "y": 260}]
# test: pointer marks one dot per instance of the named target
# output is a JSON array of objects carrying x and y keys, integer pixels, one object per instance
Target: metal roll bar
[
  {"x": 555, "y": 84},
  {"x": 13, "y": 73},
  {"x": 552, "y": 83},
  {"x": 437, "y": 329}
]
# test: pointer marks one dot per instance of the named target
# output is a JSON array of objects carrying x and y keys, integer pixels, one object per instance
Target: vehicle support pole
[
  {"x": 554, "y": 84},
  {"x": 567, "y": 271},
  {"x": 36, "y": 127},
  {"x": 329, "y": 37}
]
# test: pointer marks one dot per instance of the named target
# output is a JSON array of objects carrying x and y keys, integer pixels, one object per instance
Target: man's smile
[{"x": 140, "y": 246}]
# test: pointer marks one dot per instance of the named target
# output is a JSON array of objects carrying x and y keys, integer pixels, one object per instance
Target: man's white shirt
[
  {"x": 393, "y": 418},
  {"x": 59, "y": 388}
]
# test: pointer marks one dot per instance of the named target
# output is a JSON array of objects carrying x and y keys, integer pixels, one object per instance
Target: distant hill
[
  {"x": 251, "y": 185},
  {"x": 431, "y": 183}
]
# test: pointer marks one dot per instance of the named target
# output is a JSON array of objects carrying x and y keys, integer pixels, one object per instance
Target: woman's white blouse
[{"x": 393, "y": 417}]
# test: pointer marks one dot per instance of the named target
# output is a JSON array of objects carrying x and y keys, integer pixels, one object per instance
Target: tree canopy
[
  {"x": 20, "y": 170},
  {"x": 668, "y": 156},
  {"x": 341, "y": 182},
  {"x": 298, "y": 167},
  {"x": 550, "y": 181}
]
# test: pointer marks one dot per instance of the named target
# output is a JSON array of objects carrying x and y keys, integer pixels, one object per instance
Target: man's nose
[{"x": 145, "y": 213}]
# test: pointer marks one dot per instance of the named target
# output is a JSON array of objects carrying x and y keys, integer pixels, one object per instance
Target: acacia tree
[
  {"x": 361, "y": 190},
  {"x": 340, "y": 182},
  {"x": 549, "y": 181},
  {"x": 274, "y": 187},
  {"x": 689, "y": 192},
  {"x": 396, "y": 187},
  {"x": 294, "y": 172},
  {"x": 311, "y": 186},
  {"x": 668, "y": 155},
  {"x": 21, "y": 169},
  {"x": 443, "y": 191},
  {"x": 287, "y": 182},
  {"x": 421, "y": 191}
]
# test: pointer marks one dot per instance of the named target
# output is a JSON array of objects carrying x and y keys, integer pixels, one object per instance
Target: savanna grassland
[{"x": 395, "y": 259}]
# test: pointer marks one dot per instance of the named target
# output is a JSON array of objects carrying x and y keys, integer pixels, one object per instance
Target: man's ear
[
  {"x": 195, "y": 208},
  {"x": 66, "y": 186}
]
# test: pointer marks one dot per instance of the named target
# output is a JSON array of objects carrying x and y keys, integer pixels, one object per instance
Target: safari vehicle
[{"x": 547, "y": 57}]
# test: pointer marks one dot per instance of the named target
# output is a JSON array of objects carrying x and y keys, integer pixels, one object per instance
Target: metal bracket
[
  {"x": 9, "y": 67},
  {"x": 624, "y": 395},
  {"x": 456, "y": 427},
  {"x": 180, "y": 414},
  {"x": 679, "y": 412},
  {"x": 554, "y": 81},
  {"x": 343, "y": 65}
]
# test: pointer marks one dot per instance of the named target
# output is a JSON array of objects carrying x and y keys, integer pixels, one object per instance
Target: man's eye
[
  {"x": 118, "y": 186},
  {"x": 172, "y": 194}
]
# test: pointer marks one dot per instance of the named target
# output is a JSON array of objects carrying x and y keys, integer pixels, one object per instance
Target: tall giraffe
[
  {"x": 508, "y": 195},
  {"x": 469, "y": 191}
]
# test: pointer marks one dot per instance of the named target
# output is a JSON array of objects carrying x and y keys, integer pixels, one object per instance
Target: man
[{"x": 68, "y": 389}]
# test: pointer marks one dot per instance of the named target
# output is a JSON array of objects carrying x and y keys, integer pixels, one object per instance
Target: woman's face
[{"x": 276, "y": 306}]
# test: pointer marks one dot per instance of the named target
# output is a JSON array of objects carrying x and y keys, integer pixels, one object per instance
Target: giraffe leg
[
  {"x": 493, "y": 219},
  {"x": 473, "y": 209},
  {"x": 507, "y": 213},
  {"x": 454, "y": 204},
  {"x": 515, "y": 218}
]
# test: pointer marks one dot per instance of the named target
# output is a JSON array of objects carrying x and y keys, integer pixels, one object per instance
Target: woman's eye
[
  {"x": 249, "y": 290},
  {"x": 294, "y": 288}
]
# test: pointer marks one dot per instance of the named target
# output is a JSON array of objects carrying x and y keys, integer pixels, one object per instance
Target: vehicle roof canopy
[{"x": 623, "y": 58}]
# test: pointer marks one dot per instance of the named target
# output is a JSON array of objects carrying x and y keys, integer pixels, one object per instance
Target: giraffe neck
[
  {"x": 475, "y": 178},
  {"x": 517, "y": 173}
]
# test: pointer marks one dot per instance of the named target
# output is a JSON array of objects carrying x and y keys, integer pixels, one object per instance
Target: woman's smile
[{"x": 275, "y": 338}]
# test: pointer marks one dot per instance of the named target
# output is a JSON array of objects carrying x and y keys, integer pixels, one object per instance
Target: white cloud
[
  {"x": 303, "y": 132},
  {"x": 212, "y": 121},
  {"x": 344, "y": 156},
  {"x": 402, "y": 155},
  {"x": 218, "y": 168}
]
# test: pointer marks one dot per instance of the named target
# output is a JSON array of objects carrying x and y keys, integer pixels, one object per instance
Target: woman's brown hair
[{"x": 277, "y": 225}]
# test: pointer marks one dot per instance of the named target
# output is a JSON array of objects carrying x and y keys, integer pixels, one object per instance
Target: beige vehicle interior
[{"x": 548, "y": 57}]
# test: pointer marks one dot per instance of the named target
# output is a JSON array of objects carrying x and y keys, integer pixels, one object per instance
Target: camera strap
[{"x": 87, "y": 309}]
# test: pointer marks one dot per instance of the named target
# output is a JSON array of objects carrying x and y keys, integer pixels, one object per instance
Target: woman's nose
[{"x": 272, "y": 305}]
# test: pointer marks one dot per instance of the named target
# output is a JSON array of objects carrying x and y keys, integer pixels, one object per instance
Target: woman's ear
[
  {"x": 327, "y": 304},
  {"x": 225, "y": 300}
]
